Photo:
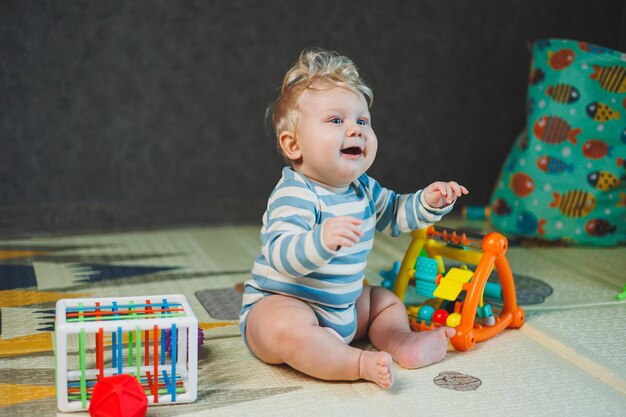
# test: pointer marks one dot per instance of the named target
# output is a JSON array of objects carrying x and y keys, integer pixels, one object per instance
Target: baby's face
[{"x": 335, "y": 135}]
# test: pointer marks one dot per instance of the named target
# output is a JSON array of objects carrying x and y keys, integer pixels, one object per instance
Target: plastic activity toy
[
  {"x": 456, "y": 297},
  {"x": 126, "y": 335}
]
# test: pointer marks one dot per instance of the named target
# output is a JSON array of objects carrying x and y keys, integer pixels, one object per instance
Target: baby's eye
[
  {"x": 361, "y": 122},
  {"x": 336, "y": 120}
]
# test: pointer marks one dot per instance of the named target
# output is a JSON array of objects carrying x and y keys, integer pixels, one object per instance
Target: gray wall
[{"x": 121, "y": 114}]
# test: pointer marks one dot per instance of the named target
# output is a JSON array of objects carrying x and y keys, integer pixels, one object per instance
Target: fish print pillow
[{"x": 565, "y": 178}]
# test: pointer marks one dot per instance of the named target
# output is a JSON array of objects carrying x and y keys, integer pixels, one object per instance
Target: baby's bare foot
[
  {"x": 376, "y": 367},
  {"x": 415, "y": 350}
]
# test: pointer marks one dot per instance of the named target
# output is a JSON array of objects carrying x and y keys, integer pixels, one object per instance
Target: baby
[{"x": 306, "y": 301}]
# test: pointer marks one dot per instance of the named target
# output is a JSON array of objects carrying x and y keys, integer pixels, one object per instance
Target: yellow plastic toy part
[{"x": 451, "y": 285}]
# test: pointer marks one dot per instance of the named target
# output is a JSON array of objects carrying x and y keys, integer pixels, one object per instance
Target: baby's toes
[{"x": 383, "y": 369}]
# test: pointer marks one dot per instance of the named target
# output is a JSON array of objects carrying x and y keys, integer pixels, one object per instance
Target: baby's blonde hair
[{"x": 316, "y": 69}]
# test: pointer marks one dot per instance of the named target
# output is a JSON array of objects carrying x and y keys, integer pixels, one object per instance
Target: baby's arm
[
  {"x": 401, "y": 213},
  {"x": 293, "y": 244}
]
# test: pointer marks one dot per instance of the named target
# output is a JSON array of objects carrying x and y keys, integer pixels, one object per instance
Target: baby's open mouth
[{"x": 353, "y": 150}]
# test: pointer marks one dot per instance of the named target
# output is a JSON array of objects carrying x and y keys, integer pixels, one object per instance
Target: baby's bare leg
[
  {"x": 382, "y": 316},
  {"x": 282, "y": 329}
]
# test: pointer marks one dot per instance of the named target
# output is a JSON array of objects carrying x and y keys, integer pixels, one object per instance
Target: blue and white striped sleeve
[
  {"x": 292, "y": 242},
  {"x": 401, "y": 213}
]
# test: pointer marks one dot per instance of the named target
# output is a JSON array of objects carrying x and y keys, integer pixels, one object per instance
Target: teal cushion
[{"x": 565, "y": 177}]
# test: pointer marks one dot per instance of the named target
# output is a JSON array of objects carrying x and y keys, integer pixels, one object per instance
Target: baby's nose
[{"x": 354, "y": 131}]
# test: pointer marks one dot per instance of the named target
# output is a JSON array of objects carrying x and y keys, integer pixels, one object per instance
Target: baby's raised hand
[
  {"x": 341, "y": 231},
  {"x": 441, "y": 194}
]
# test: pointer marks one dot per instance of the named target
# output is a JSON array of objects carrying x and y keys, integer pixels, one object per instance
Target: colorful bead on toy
[
  {"x": 425, "y": 313},
  {"x": 453, "y": 320},
  {"x": 440, "y": 316}
]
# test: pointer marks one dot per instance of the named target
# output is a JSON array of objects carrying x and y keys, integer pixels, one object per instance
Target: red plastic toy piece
[
  {"x": 118, "y": 396},
  {"x": 440, "y": 316}
]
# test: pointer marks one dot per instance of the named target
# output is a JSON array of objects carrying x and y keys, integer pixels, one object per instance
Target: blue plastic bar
[
  {"x": 174, "y": 342},
  {"x": 114, "y": 343},
  {"x": 166, "y": 306},
  {"x": 120, "y": 356},
  {"x": 166, "y": 379}
]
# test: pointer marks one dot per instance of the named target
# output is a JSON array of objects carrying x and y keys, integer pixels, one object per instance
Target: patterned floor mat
[
  {"x": 568, "y": 358},
  {"x": 222, "y": 304}
]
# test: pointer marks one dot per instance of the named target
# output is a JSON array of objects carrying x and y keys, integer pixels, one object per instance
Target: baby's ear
[{"x": 289, "y": 145}]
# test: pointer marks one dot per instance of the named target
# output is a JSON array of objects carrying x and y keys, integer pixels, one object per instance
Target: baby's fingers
[
  {"x": 457, "y": 189},
  {"x": 342, "y": 231},
  {"x": 449, "y": 331},
  {"x": 446, "y": 192},
  {"x": 343, "y": 238},
  {"x": 349, "y": 223},
  {"x": 354, "y": 227},
  {"x": 353, "y": 220},
  {"x": 352, "y": 233},
  {"x": 346, "y": 241}
]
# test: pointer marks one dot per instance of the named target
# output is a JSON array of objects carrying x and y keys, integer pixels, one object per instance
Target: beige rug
[{"x": 569, "y": 358}]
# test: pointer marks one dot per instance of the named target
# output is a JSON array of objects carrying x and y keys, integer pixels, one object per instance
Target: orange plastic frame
[{"x": 494, "y": 247}]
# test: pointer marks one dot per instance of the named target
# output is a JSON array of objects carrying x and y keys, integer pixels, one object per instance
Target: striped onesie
[{"x": 294, "y": 261}]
